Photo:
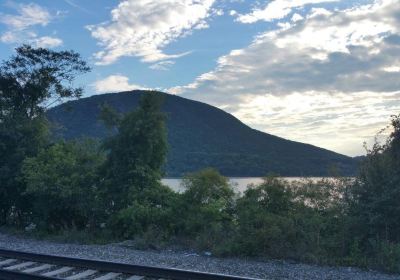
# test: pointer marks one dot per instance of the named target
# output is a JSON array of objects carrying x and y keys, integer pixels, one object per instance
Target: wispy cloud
[
  {"x": 142, "y": 28},
  {"x": 20, "y": 26},
  {"x": 162, "y": 65},
  {"x": 27, "y": 15},
  {"x": 79, "y": 7}
]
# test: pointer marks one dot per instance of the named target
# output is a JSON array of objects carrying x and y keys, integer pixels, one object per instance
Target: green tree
[
  {"x": 19, "y": 138},
  {"x": 377, "y": 192},
  {"x": 266, "y": 226},
  {"x": 131, "y": 184},
  {"x": 206, "y": 208},
  {"x": 30, "y": 81},
  {"x": 320, "y": 214},
  {"x": 62, "y": 183}
]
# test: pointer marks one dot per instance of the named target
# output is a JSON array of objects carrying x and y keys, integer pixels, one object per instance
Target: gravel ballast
[{"x": 190, "y": 261}]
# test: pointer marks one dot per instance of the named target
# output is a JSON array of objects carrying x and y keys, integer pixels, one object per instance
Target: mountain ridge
[{"x": 201, "y": 135}]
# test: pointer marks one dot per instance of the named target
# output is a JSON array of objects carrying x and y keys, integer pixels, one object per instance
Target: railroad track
[{"x": 28, "y": 266}]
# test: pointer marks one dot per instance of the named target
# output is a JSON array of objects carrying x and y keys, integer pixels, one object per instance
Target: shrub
[
  {"x": 61, "y": 182},
  {"x": 206, "y": 208}
]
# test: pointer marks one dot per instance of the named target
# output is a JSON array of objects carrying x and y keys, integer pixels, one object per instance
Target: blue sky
[{"x": 325, "y": 72}]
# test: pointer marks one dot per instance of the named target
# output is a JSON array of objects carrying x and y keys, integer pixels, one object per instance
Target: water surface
[{"x": 240, "y": 184}]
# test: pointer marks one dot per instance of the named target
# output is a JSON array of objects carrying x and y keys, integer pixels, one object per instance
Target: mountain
[{"x": 201, "y": 135}]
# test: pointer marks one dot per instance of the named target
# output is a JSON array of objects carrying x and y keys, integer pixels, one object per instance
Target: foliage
[
  {"x": 61, "y": 181},
  {"x": 19, "y": 138},
  {"x": 206, "y": 208},
  {"x": 30, "y": 80},
  {"x": 36, "y": 76},
  {"x": 377, "y": 192},
  {"x": 150, "y": 215},
  {"x": 131, "y": 189},
  {"x": 110, "y": 117},
  {"x": 114, "y": 190},
  {"x": 265, "y": 225},
  {"x": 135, "y": 154}
]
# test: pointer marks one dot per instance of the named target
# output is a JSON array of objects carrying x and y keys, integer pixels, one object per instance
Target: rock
[{"x": 192, "y": 261}]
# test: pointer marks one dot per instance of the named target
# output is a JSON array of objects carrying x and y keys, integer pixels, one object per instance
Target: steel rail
[{"x": 103, "y": 266}]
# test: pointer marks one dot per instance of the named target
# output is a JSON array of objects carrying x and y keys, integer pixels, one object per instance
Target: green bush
[
  {"x": 150, "y": 214},
  {"x": 61, "y": 182},
  {"x": 206, "y": 208},
  {"x": 264, "y": 222}
]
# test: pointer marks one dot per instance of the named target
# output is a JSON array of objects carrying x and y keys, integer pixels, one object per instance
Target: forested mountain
[{"x": 200, "y": 135}]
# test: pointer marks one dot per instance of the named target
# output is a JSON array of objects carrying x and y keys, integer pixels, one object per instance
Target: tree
[
  {"x": 136, "y": 154},
  {"x": 131, "y": 185},
  {"x": 62, "y": 183},
  {"x": 377, "y": 192},
  {"x": 19, "y": 138},
  {"x": 34, "y": 77},
  {"x": 206, "y": 207},
  {"x": 264, "y": 218},
  {"x": 30, "y": 81}
]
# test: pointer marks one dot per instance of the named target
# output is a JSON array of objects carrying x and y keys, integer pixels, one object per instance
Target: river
[{"x": 240, "y": 184}]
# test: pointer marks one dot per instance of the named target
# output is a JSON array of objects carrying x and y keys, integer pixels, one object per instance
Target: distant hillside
[{"x": 201, "y": 135}]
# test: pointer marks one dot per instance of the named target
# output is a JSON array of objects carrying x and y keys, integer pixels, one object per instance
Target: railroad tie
[
  {"x": 136, "y": 278},
  {"x": 8, "y": 261},
  {"x": 81, "y": 275},
  {"x": 108, "y": 276},
  {"x": 19, "y": 266},
  {"x": 38, "y": 268},
  {"x": 58, "y": 271}
]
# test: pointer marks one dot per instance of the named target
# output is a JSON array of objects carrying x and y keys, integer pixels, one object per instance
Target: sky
[{"x": 324, "y": 72}]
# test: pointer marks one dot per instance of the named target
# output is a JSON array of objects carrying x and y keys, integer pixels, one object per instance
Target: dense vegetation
[
  {"x": 112, "y": 190},
  {"x": 201, "y": 136}
]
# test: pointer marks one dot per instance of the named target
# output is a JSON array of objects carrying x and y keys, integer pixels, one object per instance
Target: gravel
[{"x": 191, "y": 261}]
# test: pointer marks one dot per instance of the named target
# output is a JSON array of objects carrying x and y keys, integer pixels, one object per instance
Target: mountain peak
[{"x": 200, "y": 135}]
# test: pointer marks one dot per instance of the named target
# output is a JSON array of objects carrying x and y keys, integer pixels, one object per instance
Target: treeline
[{"x": 112, "y": 190}]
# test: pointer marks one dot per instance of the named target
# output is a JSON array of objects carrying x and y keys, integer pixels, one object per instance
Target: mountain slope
[{"x": 201, "y": 135}]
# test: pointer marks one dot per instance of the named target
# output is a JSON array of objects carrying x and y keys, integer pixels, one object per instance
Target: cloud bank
[{"x": 331, "y": 75}]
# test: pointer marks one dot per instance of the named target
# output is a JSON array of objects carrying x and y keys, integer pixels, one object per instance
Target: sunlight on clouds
[
  {"x": 276, "y": 9},
  {"x": 114, "y": 83},
  {"x": 328, "y": 77},
  {"x": 46, "y": 42},
  {"x": 142, "y": 28},
  {"x": 393, "y": 68},
  {"x": 337, "y": 33},
  {"x": 322, "y": 118}
]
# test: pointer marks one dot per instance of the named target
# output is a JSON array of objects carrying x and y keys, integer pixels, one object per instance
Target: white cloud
[
  {"x": 28, "y": 15},
  {"x": 318, "y": 80},
  {"x": 297, "y": 17},
  {"x": 114, "y": 83},
  {"x": 142, "y": 28},
  {"x": 31, "y": 38},
  {"x": 393, "y": 68},
  {"x": 276, "y": 9},
  {"x": 162, "y": 65},
  {"x": 20, "y": 26},
  {"x": 338, "y": 121},
  {"x": 47, "y": 42}
]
